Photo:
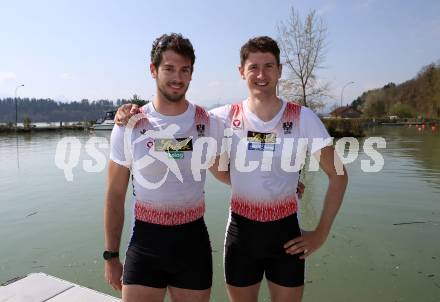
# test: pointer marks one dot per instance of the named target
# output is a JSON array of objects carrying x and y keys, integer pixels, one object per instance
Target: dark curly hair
[{"x": 174, "y": 42}]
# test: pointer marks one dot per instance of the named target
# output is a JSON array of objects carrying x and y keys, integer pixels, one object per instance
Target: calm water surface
[{"x": 51, "y": 225}]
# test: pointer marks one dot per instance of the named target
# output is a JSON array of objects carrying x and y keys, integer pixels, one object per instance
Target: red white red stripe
[
  {"x": 201, "y": 116},
  {"x": 236, "y": 111},
  {"x": 291, "y": 113},
  {"x": 259, "y": 210},
  {"x": 168, "y": 214}
]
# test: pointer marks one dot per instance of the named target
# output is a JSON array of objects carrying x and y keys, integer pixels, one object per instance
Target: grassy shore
[{"x": 341, "y": 127}]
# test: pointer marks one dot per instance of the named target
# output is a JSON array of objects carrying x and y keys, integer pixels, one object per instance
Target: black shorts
[
  {"x": 254, "y": 248},
  {"x": 160, "y": 256}
]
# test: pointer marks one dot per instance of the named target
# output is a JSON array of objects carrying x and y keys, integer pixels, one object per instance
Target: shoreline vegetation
[
  {"x": 45, "y": 111},
  {"x": 337, "y": 127},
  {"x": 414, "y": 102},
  {"x": 50, "y": 127},
  {"x": 355, "y": 127},
  {"x": 341, "y": 127}
]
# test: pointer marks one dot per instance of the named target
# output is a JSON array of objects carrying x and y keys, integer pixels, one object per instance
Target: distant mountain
[{"x": 419, "y": 96}]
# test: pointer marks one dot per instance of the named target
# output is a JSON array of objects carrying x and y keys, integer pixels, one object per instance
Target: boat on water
[{"x": 106, "y": 123}]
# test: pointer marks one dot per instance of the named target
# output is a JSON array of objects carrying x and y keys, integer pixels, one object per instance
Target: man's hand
[
  {"x": 125, "y": 112},
  {"x": 113, "y": 273},
  {"x": 309, "y": 242},
  {"x": 300, "y": 189}
]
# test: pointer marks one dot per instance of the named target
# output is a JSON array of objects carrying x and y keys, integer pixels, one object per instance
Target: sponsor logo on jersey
[
  {"x": 171, "y": 145},
  {"x": 176, "y": 154},
  {"x": 261, "y": 147},
  {"x": 149, "y": 144},
  {"x": 236, "y": 124},
  {"x": 258, "y": 137}
]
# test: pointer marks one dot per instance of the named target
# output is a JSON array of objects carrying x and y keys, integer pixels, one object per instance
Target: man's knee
[
  {"x": 243, "y": 294},
  {"x": 189, "y": 295},
  {"x": 280, "y": 293},
  {"x": 134, "y": 293}
]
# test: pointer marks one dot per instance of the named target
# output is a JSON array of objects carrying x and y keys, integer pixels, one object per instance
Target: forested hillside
[{"x": 418, "y": 97}]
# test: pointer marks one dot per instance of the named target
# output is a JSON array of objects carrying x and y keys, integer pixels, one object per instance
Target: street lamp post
[
  {"x": 16, "y": 105},
  {"x": 342, "y": 90}
]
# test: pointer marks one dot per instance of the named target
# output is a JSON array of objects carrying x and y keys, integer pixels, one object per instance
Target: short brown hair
[
  {"x": 259, "y": 44},
  {"x": 174, "y": 42}
]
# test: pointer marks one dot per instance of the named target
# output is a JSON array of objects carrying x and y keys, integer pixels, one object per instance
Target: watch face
[{"x": 108, "y": 255}]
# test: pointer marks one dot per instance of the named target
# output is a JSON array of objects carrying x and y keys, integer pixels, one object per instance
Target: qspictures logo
[{"x": 165, "y": 147}]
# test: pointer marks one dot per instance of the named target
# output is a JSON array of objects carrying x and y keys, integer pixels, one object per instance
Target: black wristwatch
[{"x": 107, "y": 255}]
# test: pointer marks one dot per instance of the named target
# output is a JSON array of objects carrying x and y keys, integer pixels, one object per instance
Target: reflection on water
[
  {"x": 420, "y": 148},
  {"x": 52, "y": 225}
]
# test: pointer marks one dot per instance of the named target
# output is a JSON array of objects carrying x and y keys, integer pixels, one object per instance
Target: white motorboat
[{"x": 107, "y": 123}]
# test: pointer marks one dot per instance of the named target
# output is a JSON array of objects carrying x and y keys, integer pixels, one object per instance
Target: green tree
[
  {"x": 137, "y": 100},
  {"x": 401, "y": 110}
]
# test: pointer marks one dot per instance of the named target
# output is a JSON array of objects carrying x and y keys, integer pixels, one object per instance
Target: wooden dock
[{"x": 40, "y": 287}]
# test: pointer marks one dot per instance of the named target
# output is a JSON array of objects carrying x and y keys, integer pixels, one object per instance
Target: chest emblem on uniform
[
  {"x": 150, "y": 144},
  {"x": 200, "y": 130},
  {"x": 287, "y": 127},
  {"x": 236, "y": 123}
]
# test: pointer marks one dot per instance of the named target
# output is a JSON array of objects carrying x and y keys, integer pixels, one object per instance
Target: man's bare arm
[
  {"x": 329, "y": 162},
  {"x": 311, "y": 241},
  {"x": 222, "y": 176},
  {"x": 117, "y": 181}
]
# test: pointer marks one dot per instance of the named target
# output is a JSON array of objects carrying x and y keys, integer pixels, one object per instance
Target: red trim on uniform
[
  {"x": 168, "y": 214},
  {"x": 236, "y": 110},
  {"x": 236, "y": 115},
  {"x": 263, "y": 210},
  {"x": 291, "y": 113},
  {"x": 201, "y": 116}
]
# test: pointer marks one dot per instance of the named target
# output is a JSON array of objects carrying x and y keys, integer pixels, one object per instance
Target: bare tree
[{"x": 303, "y": 50}]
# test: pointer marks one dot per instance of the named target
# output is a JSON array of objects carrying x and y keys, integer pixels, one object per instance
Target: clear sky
[{"x": 70, "y": 50}]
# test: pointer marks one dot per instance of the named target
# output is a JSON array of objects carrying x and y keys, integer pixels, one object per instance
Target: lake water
[{"x": 384, "y": 246}]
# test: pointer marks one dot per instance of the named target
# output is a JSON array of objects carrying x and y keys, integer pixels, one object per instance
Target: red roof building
[{"x": 346, "y": 112}]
